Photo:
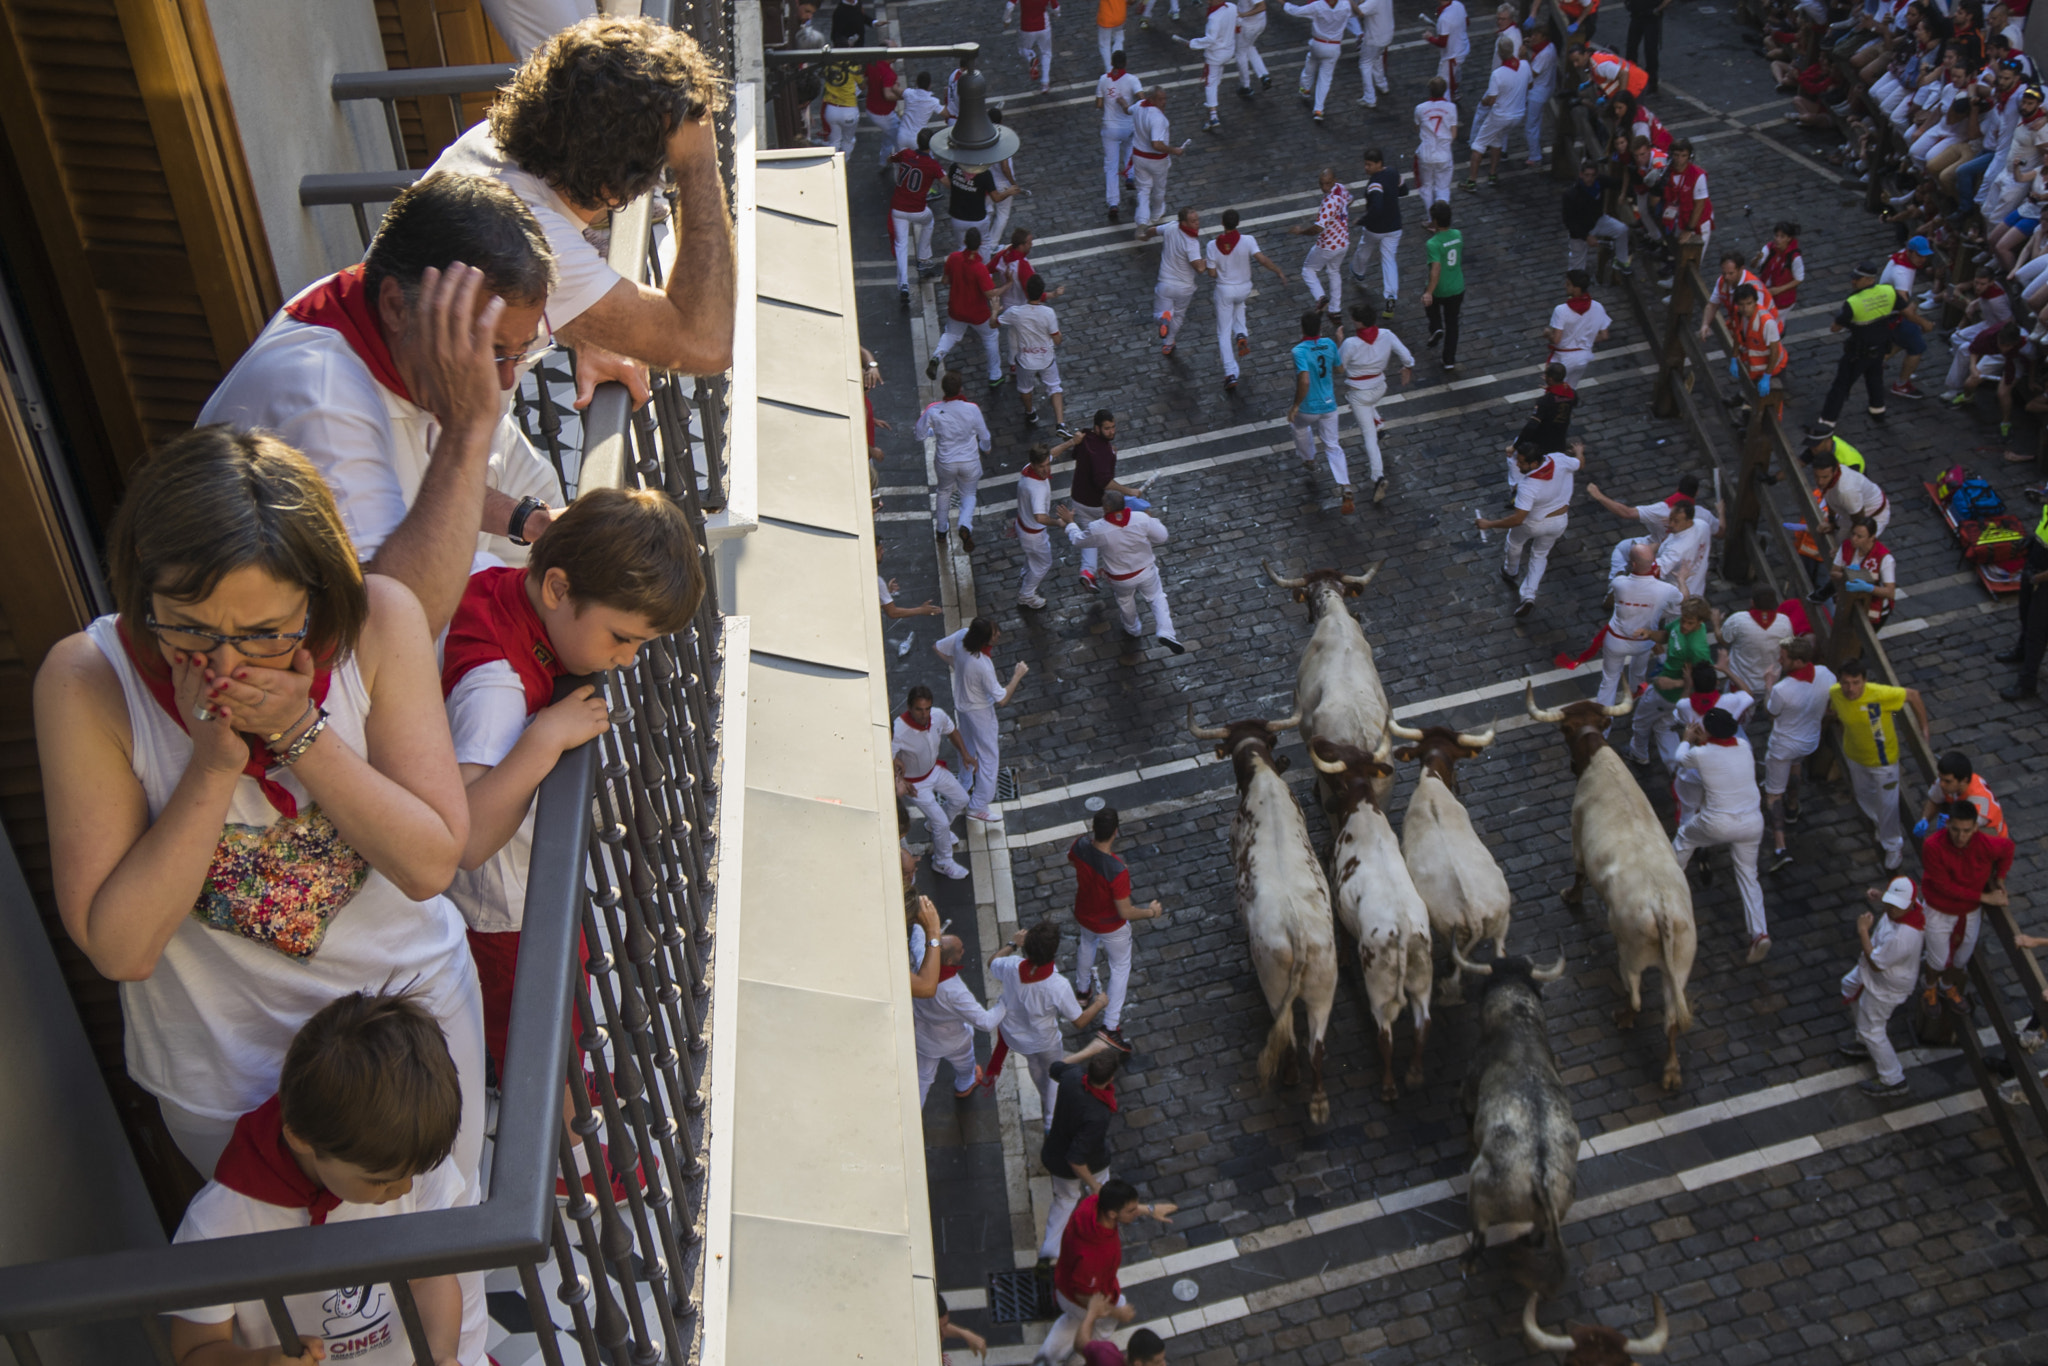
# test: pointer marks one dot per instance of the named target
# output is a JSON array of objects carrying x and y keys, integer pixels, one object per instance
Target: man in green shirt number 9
[{"x": 1446, "y": 292}]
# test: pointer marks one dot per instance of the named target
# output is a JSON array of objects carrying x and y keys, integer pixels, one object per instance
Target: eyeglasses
[
  {"x": 261, "y": 645},
  {"x": 542, "y": 343}
]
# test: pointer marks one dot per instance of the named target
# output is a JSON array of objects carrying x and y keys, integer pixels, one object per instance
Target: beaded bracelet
[{"x": 302, "y": 744}]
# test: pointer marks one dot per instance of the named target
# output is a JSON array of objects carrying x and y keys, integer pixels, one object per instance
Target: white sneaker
[
  {"x": 1892, "y": 859},
  {"x": 1033, "y": 601},
  {"x": 948, "y": 868},
  {"x": 983, "y": 816}
]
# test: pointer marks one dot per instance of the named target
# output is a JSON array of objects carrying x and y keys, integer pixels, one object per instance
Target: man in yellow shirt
[
  {"x": 1870, "y": 742},
  {"x": 842, "y": 105}
]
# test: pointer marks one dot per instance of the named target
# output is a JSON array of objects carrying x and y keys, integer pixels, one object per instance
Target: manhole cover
[
  {"x": 1185, "y": 1290},
  {"x": 1094, "y": 804},
  {"x": 1006, "y": 784},
  {"x": 1019, "y": 1297}
]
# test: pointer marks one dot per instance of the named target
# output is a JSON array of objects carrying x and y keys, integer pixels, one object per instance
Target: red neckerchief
[
  {"x": 495, "y": 620},
  {"x": 1537, "y": 42},
  {"x": 1368, "y": 335},
  {"x": 947, "y": 972},
  {"x": 1543, "y": 471},
  {"x": 1511, "y": 63},
  {"x": 1227, "y": 242},
  {"x": 1192, "y": 232},
  {"x": 1729, "y": 743},
  {"x": 1580, "y": 304},
  {"x": 256, "y": 1163},
  {"x": 1105, "y": 1094},
  {"x": 1117, "y": 74},
  {"x": 1915, "y": 915},
  {"x": 1121, "y": 517},
  {"x": 1991, "y": 291},
  {"x": 1804, "y": 673},
  {"x": 1763, "y": 619},
  {"x": 1675, "y": 499},
  {"x": 1904, "y": 258},
  {"x": 342, "y": 303},
  {"x": 914, "y": 725},
  {"x": 1028, "y": 971},
  {"x": 1703, "y": 702},
  {"x": 156, "y": 676},
  {"x": 1560, "y": 391},
  {"x": 1150, "y": 103},
  {"x": 1031, "y": 472}
]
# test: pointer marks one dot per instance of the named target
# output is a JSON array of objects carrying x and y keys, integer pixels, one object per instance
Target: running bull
[
  {"x": 1452, "y": 868},
  {"x": 1337, "y": 686}
]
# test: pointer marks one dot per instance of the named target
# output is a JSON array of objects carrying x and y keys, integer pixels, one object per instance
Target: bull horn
[
  {"x": 1621, "y": 708},
  {"x": 1401, "y": 732},
  {"x": 1465, "y": 965},
  {"x": 1289, "y": 724},
  {"x": 1279, "y": 582},
  {"x": 1204, "y": 732},
  {"x": 1361, "y": 580},
  {"x": 1479, "y": 741},
  {"x": 1652, "y": 1345},
  {"x": 1324, "y": 766},
  {"x": 1540, "y": 1341},
  {"x": 1549, "y": 974},
  {"x": 1536, "y": 713}
]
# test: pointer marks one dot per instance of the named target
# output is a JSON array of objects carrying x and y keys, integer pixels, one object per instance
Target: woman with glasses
[{"x": 253, "y": 798}]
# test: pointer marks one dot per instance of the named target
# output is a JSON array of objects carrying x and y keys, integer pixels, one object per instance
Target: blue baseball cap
[{"x": 1919, "y": 246}]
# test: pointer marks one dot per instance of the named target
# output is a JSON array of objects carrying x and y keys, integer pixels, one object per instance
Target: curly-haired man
[{"x": 588, "y": 124}]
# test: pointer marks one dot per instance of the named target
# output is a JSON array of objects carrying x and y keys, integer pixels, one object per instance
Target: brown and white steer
[
  {"x": 1465, "y": 890},
  {"x": 1595, "y": 1344},
  {"x": 1620, "y": 846},
  {"x": 1282, "y": 897},
  {"x": 1378, "y": 905},
  {"x": 1337, "y": 686}
]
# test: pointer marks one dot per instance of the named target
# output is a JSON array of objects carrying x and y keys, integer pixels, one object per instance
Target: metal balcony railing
[{"x": 624, "y": 860}]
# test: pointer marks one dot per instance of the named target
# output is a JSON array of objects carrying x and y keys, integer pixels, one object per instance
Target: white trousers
[
  {"x": 1621, "y": 661},
  {"x": 1319, "y": 69},
  {"x": 1574, "y": 362},
  {"x": 1116, "y": 946},
  {"x": 1249, "y": 62},
  {"x": 1213, "y": 72},
  {"x": 1039, "y": 1065},
  {"x": 1066, "y": 1193},
  {"x": 842, "y": 123},
  {"x": 908, "y": 231},
  {"x": 1873, "y": 1013},
  {"x": 1116, "y": 155},
  {"x": 1060, "y": 1345},
  {"x": 983, "y": 734},
  {"x": 962, "y": 1059},
  {"x": 1652, "y": 717},
  {"x": 1037, "y": 560},
  {"x": 1313, "y": 428},
  {"x": 1365, "y": 411},
  {"x": 1612, "y": 231},
  {"x": 1447, "y": 67},
  {"x": 941, "y": 798},
  {"x": 997, "y": 232},
  {"x": 1229, "y": 323},
  {"x": 1150, "y": 174},
  {"x": 1321, "y": 264},
  {"x": 956, "y": 480},
  {"x": 1145, "y": 583},
  {"x": 1108, "y": 40},
  {"x": 1038, "y": 45},
  {"x": 1742, "y": 834},
  {"x": 1372, "y": 69},
  {"x": 1537, "y": 536},
  {"x": 1383, "y": 245},
  {"x": 1433, "y": 182},
  {"x": 1085, "y": 517},
  {"x": 990, "y": 345},
  {"x": 1532, "y": 120},
  {"x": 1877, "y": 793},
  {"x": 1175, "y": 302},
  {"x": 1950, "y": 939},
  {"x": 885, "y": 124}
]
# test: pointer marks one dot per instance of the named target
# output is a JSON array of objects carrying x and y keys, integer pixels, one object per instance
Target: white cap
[{"x": 1900, "y": 893}]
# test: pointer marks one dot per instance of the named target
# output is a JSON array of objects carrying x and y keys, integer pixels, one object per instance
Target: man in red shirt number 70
[{"x": 1091, "y": 1253}]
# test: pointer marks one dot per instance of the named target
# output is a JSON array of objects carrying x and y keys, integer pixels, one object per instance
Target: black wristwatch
[{"x": 517, "y": 523}]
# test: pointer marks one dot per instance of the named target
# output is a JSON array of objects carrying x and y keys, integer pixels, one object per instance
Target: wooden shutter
[{"x": 437, "y": 33}]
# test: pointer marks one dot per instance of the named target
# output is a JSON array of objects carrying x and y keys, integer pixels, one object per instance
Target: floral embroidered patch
[{"x": 281, "y": 884}]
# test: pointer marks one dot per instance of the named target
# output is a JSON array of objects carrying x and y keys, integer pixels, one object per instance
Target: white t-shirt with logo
[
  {"x": 1642, "y": 603},
  {"x": 359, "y": 1325},
  {"x": 1031, "y": 328},
  {"x": 1436, "y": 123},
  {"x": 1119, "y": 96}
]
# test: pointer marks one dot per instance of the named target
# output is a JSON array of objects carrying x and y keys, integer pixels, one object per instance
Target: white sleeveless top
[{"x": 291, "y": 918}]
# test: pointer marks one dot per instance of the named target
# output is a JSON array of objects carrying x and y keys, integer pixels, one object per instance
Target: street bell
[{"x": 974, "y": 140}]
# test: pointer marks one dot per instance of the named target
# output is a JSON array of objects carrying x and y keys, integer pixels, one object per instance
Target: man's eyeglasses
[
  {"x": 261, "y": 645},
  {"x": 542, "y": 343}
]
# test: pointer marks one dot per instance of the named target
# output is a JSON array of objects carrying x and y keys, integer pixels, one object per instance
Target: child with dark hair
[
  {"x": 362, "y": 1125},
  {"x": 1035, "y": 999}
]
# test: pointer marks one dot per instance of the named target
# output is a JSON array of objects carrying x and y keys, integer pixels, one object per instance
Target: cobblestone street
[{"x": 1782, "y": 1215}]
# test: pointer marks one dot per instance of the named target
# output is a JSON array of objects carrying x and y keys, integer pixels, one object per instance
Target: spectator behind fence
[
  {"x": 589, "y": 124},
  {"x": 361, "y": 1126},
  {"x": 389, "y": 377},
  {"x": 617, "y": 570},
  {"x": 252, "y": 796}
]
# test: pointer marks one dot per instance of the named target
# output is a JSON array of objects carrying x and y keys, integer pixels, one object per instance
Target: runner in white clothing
[
  {"x": 1543, "y": 497},
  {"x": 1035, "y": 999},
  {"x": 1327, "y": 21},
  {"x": 1217, "y": 45},
  {"x": 1034, "y": 515},
  {"x": 1117, "y": 93},
  {"x": 1124, "y": 540},
  {"x": 1798, "y": 704},
  {"x": 1332, "y": 231},
  {"x": 1500, "y": 110},
  {"x": 962, "y": 437},
  {"x": 1181, "y": 264},
  {"x": 1886, "y": 973},
  {"x": 1365, "y": 356},
  {"x": 1682, "y": 558},
  {"x": 1643, "y": 603},
  {"x": 1450, "y": 42},
  {"x": 1575, "y": 325},
  {"x": 976, "y": 695},
  {"x": 1375, "y": 33},
  {"x": 1034, "y": 330},
  {"x": 1251, "y": 23},
  {"x": 1728, "y": 814},
  {"x": 1229, "y": 257},
  {"x": 1436, "y": 129},
  {"x": 922, "y": 778},
  {"x": 914, "y": 109},
  {"x": 1151, "y": 158},
  {"x": 943, "y": 1025},
  {"x": 1754, "y": 639}
]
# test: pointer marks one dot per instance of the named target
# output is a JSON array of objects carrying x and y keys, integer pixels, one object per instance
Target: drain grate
[
  {"x": 1019, "y": 1297},
  {"x": 1006, "y": 784}
]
